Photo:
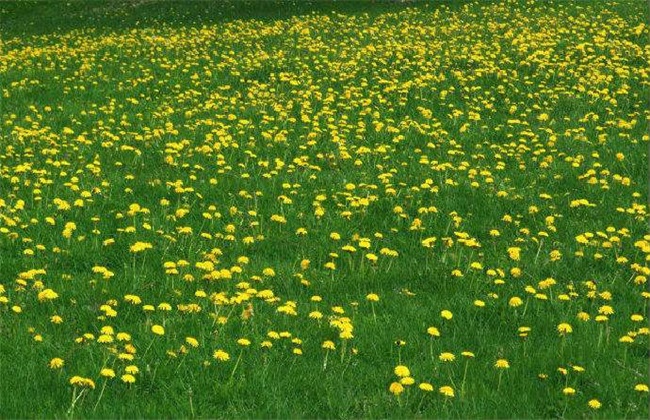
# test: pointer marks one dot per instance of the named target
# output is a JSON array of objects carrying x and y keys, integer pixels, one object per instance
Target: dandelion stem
[
  {"x": 74, "y": 400},
  {"x": 499, "y": 383},
  {"x": 147, "y": 350},
  {"x": 420, "y": 404},
  {"x": 232, "y": 374},
  {"x": 327, "y": 352},
  {"x": 101, "y": 394},
  {"x": 462, "y": 385},
  {"x": 566, "y": 405}
]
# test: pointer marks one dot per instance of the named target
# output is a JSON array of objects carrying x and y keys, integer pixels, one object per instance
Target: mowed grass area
[{"x": 324, "y": 210}]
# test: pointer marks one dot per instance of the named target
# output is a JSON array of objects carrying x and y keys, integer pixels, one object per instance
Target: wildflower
[
  {"x": 606, "y": 310},
  {"x": 56, "y": 363},
  {"x": 315, "y": 315},
  {"x": 433, "y": 332},
  {"x": 446, "y": 314},
  {"x": 595, "y": 404},
  {"x": 515, "y": 301},
  {"x": 107, "y": 373},
  {"x": 82, "y": 382},
  {"x": 502, "y": 364},
  {"x": 447, "y": 391},
  {"x": 402, "y": 371},
  {"x": 128, "y": 378},
  {"x": 244, "y": 342},
  {"x": 425, "y": 386},
  {"x": 221, "y": 355},
  {"x": 372, "y": 297},
  {"x": 140, "y": 246},
  {"x": 396, "y": 388},
  {"x": 158, "y": 329},
  {"x": 406, "y": 381},
  {"x": 346, "y": 335},
  {"x": 328, "y": 345},
  {"x": 568, "y": 391},
  {"x": 514, "y": 253},
  {"x": 133, "y": 299},
  {"x": 641, "y": 388},
  {"x": 47, "y": 294},
  {"x": 564, "y": 329},
  {"x": 447, "y": 357},
  {"x": 107, "y": 329}
]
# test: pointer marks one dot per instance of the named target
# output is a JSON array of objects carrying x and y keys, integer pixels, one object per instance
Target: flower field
[{"x": 348, "y": 210}]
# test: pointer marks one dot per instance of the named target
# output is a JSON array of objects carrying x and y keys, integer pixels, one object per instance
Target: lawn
[{"x": 324, "y": 209}]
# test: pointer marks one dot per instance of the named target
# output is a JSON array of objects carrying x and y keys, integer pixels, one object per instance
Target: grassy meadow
[{"x": 324, "y": 209}]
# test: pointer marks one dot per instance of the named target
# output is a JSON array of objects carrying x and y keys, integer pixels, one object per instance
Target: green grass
[{"x": 220, "y": 118}]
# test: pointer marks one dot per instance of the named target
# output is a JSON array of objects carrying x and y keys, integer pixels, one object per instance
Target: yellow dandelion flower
[
  {"x": 47, "y": 294},
  {"x": 328, "y": 345},
  {"x": 406, "y": 381},
  {"x": 447, "y": 357},
  {"x": 595, "y": 404},
  {"x": 425, "y": 386},
  {"x": 502, "y": 364},
  {"x": 402, "y": 371},
  {"x": 396, "y": 388},
  {"x": 56, "y": 363},
  {"x": 641, "y": 388},
  {"x": 221, "y": 355},
  {"x": 447, "y": 391},
  {"x": 372, "y": 297},
  {"x": 433, "y": 332},
  {"x": 569, "y": 391},
  {"x": 564, "y": 329},
  {"x": 128, "y": 378},
  {"x": 140, "y": 246},
  {"x": 515, "y": 301}
]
